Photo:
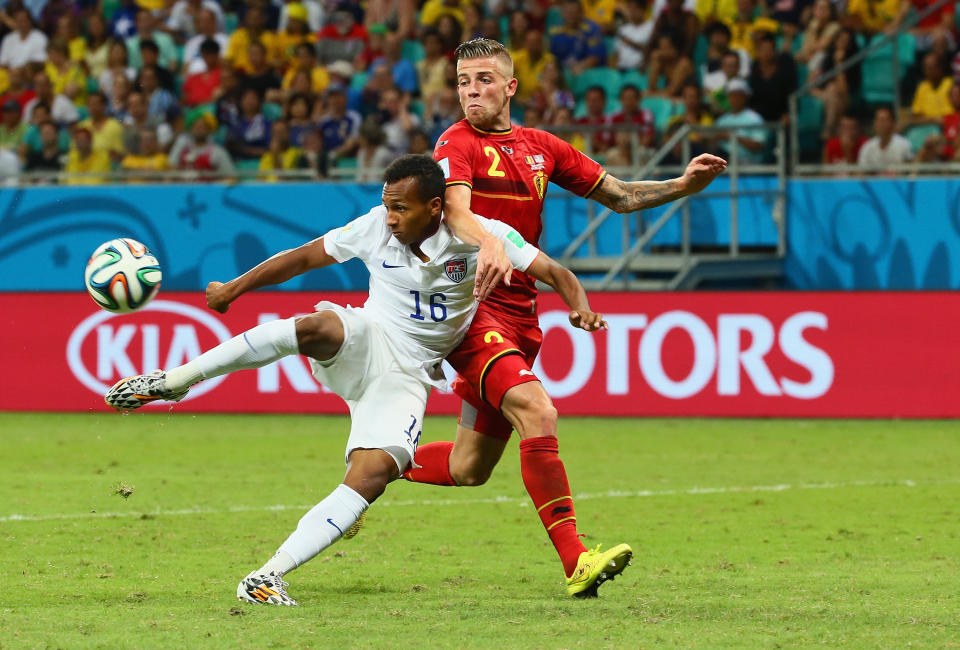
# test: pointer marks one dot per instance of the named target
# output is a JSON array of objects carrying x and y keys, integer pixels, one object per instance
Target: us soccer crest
[
  {"x": 456, "y": 270},
  {"x": 540, "y": 182}
]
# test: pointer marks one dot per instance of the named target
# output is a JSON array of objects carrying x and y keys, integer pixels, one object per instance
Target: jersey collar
[{"x": 492, "y": 132}]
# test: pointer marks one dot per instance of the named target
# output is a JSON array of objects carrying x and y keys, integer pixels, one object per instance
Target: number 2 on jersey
[{"x": 494, "y": 171}]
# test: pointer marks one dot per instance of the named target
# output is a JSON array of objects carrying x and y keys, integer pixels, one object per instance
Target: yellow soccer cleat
[
  {"x": 594, "y": 568},
  {"x": 351, "y": 532}
]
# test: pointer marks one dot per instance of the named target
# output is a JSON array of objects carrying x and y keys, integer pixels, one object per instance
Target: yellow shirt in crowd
[
  {"x": 933, "y": 102},
  {"x": 97, "y": 161},
  {"x": 108, "y": 138}
]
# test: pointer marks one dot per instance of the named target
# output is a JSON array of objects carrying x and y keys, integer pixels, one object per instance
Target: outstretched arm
[
  {"x": 276, "y": 270},
  {"x": 630, "y": 196},
  {"x": 565, "y": 283},
  {"x": 492, "y": 262}
]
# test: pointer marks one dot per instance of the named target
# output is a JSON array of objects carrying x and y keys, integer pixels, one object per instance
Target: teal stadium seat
[
  {"x": 662, "y": 108},
  {"x": 606, "y": 78},
  {"x": 230, "y": 22},
  {"x": 809, "y": 124},
  {"x": 412, "y": 51},
  {"x": 634, "y": 78},
  {"x": 272, "y": 112},
  {"x": 919, "y": 133},
  {"x": 878, "y": 86},
  {"x": 359, "y": 80}
]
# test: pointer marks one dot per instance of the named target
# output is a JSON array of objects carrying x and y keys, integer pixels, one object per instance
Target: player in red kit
[{"x": 501, "y": 171}]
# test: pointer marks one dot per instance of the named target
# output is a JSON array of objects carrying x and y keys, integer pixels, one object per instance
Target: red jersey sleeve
[
  {"x": 455, "y": 152},
  {"x": 573, "y": 171}
]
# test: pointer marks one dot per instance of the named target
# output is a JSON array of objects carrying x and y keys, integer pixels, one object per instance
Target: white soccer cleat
[
  {"x": 265, "y": 589},
  {"x": 133, "y": 392}
]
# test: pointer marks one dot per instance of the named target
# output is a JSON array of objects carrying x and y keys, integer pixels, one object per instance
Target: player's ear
[
  {"x": 436, "y": 206},
  {"x": 512, "y": 87}
]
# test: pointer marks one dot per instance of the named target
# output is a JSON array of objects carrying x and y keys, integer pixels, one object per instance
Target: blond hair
[{"x": 483, "y": 48}]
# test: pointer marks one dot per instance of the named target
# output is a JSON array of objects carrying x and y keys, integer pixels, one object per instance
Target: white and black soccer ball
[{"x": 122, "y": 275}]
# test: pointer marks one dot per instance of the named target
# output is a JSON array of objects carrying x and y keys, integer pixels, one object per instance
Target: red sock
[
  {"x": 434, "y": 461},
  {"x": 546, "y": 481}
]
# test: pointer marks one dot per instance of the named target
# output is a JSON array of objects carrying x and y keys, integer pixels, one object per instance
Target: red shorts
[{"x": 496, "y": 354}]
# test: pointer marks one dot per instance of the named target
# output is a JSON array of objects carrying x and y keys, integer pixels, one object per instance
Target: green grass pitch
[{"x": 769, "y": 533}]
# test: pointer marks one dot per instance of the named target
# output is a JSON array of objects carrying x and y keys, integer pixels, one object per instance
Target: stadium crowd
[{"x": 259, "y": 85}]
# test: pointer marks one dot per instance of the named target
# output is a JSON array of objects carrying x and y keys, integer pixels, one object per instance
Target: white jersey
[{"x": 424, "y": 307}]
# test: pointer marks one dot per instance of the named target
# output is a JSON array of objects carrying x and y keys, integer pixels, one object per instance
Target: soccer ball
[{"x": 122, "y": 275}]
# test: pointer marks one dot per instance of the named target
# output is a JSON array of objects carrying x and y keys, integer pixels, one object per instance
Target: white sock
[
  {"x": 321, "y": 527},
  {"x": 280, "y": 563},
  {"x": 254, "y": 348}
]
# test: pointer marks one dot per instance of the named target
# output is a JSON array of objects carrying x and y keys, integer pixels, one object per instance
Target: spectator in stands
[
  {"x": 596, "y": 104},
  {"x": 528, "y": 65},
  {"x": 201, "y": 153},
  {"x": 62, "y": 110},
  {"x": 518, "y": 26},
  {"x": 305, "y": 60},
  {"x": 396, "y": 15},
  {"x": 296, "y": 32},
  {"x": 17, "y": 87},
  {"x": 750, "y": 142},
  {"x": 450, "y": 30},
  {"x": 790, "y": 14},
  {"x": 299, "y": 118},
  {"x": 84, "y": 159},
  {"x": 432, "y": 10},
  {"x": 564, "y": 117},
  {"x": 708, "y": 11},
  {"x": 939, "y": 24},
  {"x": 248, "y": 137},
  {"x": 374, "y": 48},
  {"x": 207, "y": 28},
  {"x": 397, "y": 120},
  {"x": 50, "y": 155},
  {"x": 147, "y": 31},
  {"x": 488, "y": 26},
  {"x": 149, "y": 157},
  {"x": 715, "y": 84},
  {"x": 118, "y": 97},
  {"x": 282, "y": 154},
  {"x": 750, "y": 21},
  {"x": 150, "y": 58},
  {"x": 420, "y": 143},
  {"x": 818, "y": 36},
  {"x": 314, "y": 155},
  {"x": 432, "y": 68},
  {"x": 315, "y": 13},
  {"x": 602, "y": 12},
  {"x": 201, "y": 87},
  {"x": 837, "y": 93},
  {"x": 642, "y": 119},
  {"x": 123, "y": 23},
  {"x": 116, "y": 66},
  {"x": 403, "y": 71},
  {"x": 24, "y": 44},
  {"x": 695, "y": 113},
  {"x": 671, "y": 65},
  {"x": 227, "y": 108},
  {"x": 372, "y": 154},
  {"x": 106, "y": 131},
  {"x": 552, "y": 93},
  {"x": 532, "y": 117},
  {"x": 259, "y": 75},
  {"x": 31, "y": 138},
  {"x": 253, "y": 31},
  {"x": 951, "y": 123},
  {"x": 718, "y": 45},
  {"x": 872, "y": 16},
  {"x": 679, "y": 21},
  {"x": 138, "y": 119},
  {"x": 440, "y": 112},
  {"x": 931, "y": 101},
  {"x": 96, "y": 47},
  {"x": 773, "y": 78},
  {"x": 633, "y": 36},
  {"x": 12, "y": 128},
  {"x": 65, "y": 75},
  {"x": 379, "y": 81},
  {"x": 159, "y": 100},
  {"x": 886, "y": 147},
  {"x": 68, "y": 34},
  {"x": 51, "y": 11},
  {"x": 183, "y": 21},
  {"x": 578, "y": 43},
  {"x": 342, "y": 39}
]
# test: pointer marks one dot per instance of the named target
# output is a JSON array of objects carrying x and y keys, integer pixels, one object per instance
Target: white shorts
[{"x": 386, "y": 402}]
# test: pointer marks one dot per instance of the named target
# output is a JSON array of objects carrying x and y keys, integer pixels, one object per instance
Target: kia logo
[{"x": 112, "y": 344}]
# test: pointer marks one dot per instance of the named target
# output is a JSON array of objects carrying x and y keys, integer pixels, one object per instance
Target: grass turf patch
[{"x": 752, "y": 533}]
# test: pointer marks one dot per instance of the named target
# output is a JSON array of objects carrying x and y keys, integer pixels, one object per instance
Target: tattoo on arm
[{"x": 621, "y": 196}]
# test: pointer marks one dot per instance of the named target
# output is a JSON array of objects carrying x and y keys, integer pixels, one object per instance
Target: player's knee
[
  {"x": 537, "y": 416},
  {"x": 319, "y": 335},
  {"x": 470, "y": 475}
]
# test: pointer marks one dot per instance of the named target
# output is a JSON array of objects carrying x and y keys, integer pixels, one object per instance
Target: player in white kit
[{"x": 382, "y": 359}]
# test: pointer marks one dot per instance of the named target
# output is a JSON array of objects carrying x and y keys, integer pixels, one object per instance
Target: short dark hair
[
  {"x": 209, "y": 46},
  {"x": 430, "y": 179},
  {"x": 597, "y": 89},
  {"x": 149, "y": 44},
  {"x": 765, "y": 37},
  {"x": 717, "y": 26},
  {"x": 632, "y": 87}
]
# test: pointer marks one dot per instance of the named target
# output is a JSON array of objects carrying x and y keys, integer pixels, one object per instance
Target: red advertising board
[{"x": 857, "y": 354}]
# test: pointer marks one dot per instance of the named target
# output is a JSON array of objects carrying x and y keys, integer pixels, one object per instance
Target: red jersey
[
  {"x": 834, "y": 153},
  {"x": 507, "y": 172}
]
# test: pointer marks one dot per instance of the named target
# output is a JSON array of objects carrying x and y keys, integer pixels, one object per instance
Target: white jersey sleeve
[
  {"x": 520, "y": 252},
  {"x": 361, "y": 238}
]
